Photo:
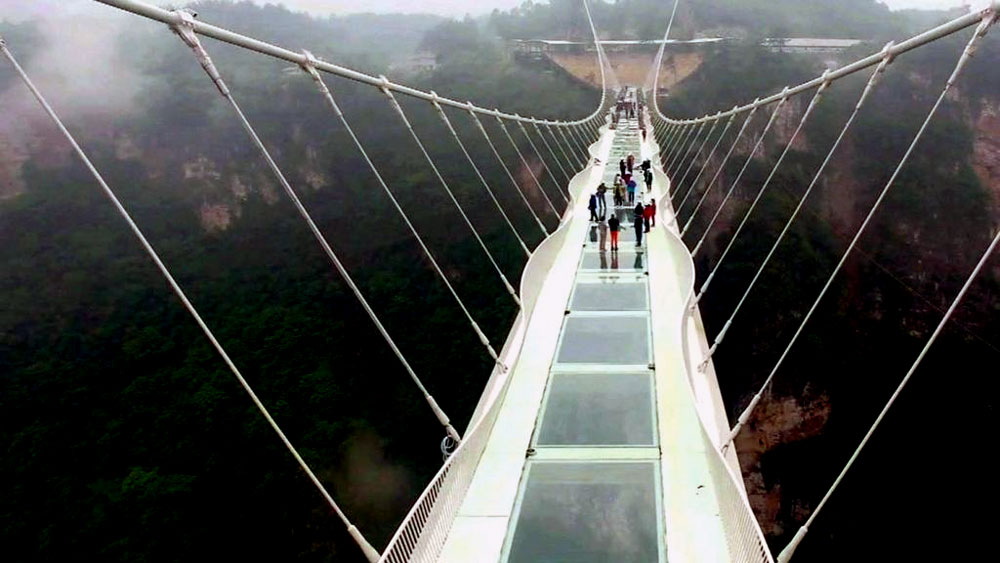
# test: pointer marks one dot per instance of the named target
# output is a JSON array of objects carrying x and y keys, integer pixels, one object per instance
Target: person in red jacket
[
  {"x": 647, "y": 215},
  {"x": 652, "y": 217}
]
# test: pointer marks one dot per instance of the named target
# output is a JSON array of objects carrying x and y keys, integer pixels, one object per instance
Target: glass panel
[
  {"x": 623, "y": 260},
  {"x": 587, "y": 513},
  {"x": 605, "y": 340},
  {"x": 610, "y": 296},
  {"x": 598, "y": 410}
]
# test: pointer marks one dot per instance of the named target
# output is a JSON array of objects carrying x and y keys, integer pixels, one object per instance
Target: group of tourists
[{"x": 643, "y": 219}]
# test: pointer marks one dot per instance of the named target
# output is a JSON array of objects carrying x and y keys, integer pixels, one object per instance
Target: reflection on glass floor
[
  {"x": 625, "y": 260},
  {"x": 588, "y": 513}
]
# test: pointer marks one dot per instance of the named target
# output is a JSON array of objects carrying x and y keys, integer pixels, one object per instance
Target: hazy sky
[{"x": 21, "y": 9}]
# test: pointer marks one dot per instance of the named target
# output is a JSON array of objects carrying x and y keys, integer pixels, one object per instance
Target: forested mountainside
[
  {"x": 126, "y": 439},
  {"x": 932, "y": 229}
]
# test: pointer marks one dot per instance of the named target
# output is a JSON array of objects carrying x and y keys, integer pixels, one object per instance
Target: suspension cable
[
  {"x": 959, "y": 66},
  {"x": 370, "y": 553},
  {"x": 444, "y": 183},
  {"x": 760, "y": 194},
  {"x": 524, "y": 162},
  {"x": 566, "y": 155},
  {"x": 689, "y": 139},
  {"x": 482, "y": 179},
  {"x": 697, "y": 155},
  {"x": 545, "y": 165},
  {"x": 869, "y": 87},
  {"x": 570, "y": 149},
  {"x": 548, "y": 146},
  {"x": 517, "y": 186},
  {"x": 685, "y": 151},
  {"x": 786, "y": 554},
  {"x": 704, "y": 166},
  {"x": 718, "y": 172},
  {"x": 185, "y": 32},
  {"x": 746, "y": 165},
  {"x": 416, "y": 235}
]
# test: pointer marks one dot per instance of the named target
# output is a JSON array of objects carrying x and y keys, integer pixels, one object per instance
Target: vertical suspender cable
[
  {"x": 704, "y": 166},
  {"x": 517, "y": 186},
  {"x": 760, "y": 194},
  {"x": 527, "y": 167},
  {"x": 185, "y": 31},
  {"x": 967, "y": 54},
  {"x": 736, "y": 181},
  {"x": 482, "y": 179},
  {"x": 697, "y": 155},
  {"x": 451, "y": 195},
  {"x": 786, "y": 553},
  {"x": 722, "y": 167},
  {"x": 545, "y": 165},
  {"x": 872, "y": 82},
  {"x": 685, "y": 151},
  {"x": 548, "y": 146},
  {"x": 689, "y": 137},
  {"x": 370, "y": 553},
  {"x": 571, "y": 166}
]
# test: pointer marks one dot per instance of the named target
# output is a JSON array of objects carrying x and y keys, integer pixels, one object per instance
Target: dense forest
[{"x": 128, "y": 440}]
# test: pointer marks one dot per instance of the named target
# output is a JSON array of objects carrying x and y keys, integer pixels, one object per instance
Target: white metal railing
[{"x": 744, "y": 538}]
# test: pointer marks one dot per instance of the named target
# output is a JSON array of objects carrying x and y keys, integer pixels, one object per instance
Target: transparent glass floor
[
  {"x": 587, "y": 513},
  {"x": 610, "y": 293},
  {"x": 607, "y": 339},
  {"x": 598, "y": 409}
]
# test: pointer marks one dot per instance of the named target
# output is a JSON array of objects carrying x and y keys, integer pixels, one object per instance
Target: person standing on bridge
[
  {"x": 602, "y": 201},
  {"x": 614, "y": 226},
  {"x": 652, "y": 217},
  {"x": 638, "y": 220},
  {"x": 631, "y": 191},
  {"x": 649, "y": 180},
  {"x": 592, "y": 206},
  {"x": 630, "y": 163},
  {"x": 619, "y": 194},
  {"x": 647, "y": 216},
  {"x": 621, "y": 166},
  {"x": 602, "y": 230}
]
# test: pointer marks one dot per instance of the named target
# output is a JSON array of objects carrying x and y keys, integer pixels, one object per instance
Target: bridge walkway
[{"x": 597, "y": 453}]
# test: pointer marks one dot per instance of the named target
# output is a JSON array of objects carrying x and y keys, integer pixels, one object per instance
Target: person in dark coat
[
  {"x": 638, "y": 223},
  {"x": 621, "y": 166},
  {"x": 602, "y": 201},
  {"x": 592, "y": 206},
  {"x": 649, "y": 180}
]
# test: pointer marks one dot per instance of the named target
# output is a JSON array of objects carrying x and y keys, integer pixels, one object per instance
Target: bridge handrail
[
  {"x": 744, "y": 538},
  {"x": 891, "y": 51},
  {"x": 301, "y": 59}
]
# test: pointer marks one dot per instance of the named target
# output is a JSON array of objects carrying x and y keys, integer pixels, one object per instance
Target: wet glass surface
[
  {"x": 605, "y": 340},
  {"x": 598, "y": 410},
  {"x": 610, "y": 296},
  {"x": 587, "y": 513}
]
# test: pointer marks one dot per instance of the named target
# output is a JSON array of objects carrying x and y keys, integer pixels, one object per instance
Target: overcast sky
[{"x": 22, "y": 9}]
